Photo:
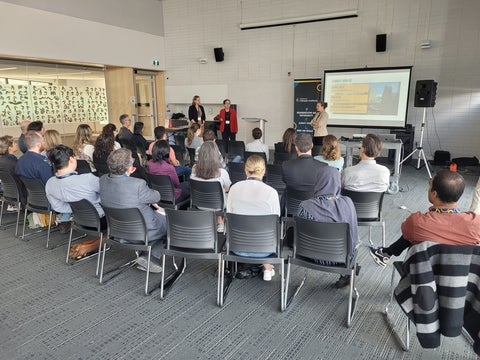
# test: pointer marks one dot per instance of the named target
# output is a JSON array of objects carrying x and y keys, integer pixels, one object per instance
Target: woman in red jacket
[{"x": 228, "y": 123}]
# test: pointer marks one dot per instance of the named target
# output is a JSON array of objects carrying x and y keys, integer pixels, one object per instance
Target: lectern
[{"x": 248, "y": 129}]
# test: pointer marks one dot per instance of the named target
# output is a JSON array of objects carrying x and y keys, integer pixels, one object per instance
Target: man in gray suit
[{"x": 119, "y": 190}]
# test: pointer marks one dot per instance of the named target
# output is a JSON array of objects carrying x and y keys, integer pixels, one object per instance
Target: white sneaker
[
  {"x": 221, "y": 228},
  {"x": 268, "y": 274},
  {"x": 12, "y": 207},
  {"x": 142, "y": 263}
]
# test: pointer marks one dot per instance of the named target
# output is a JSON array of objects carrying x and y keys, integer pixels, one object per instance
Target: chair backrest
[
  {"x": 195, "y": 230},
  {"x": 179, "y": 138},
  {"x": 191, "y": 155},
  {"x": 236, "y": 148},
  {"x": 179, "y": 152},
  {"x": 206, "y": 195},
  {"x": 316, "y": 150},
  {"x": 164, "y": 185},
  {"x": 83, "y": 167},
  {"x": 85, "y": 214},
  {"x": 280, "y": 157},
  {"x": 236, "y": 172},
  {"x": 100, "y": 165},
  {"x": 36, "y": 197},
  {"x": 328, "y": 242},
  {"x": 221, "y": 146},
  {"x": 294, "y": 198},
  {"x": 253, "y": 233},
  {"x": 368, "y": 205},
  {"x": 127, "y": 224},
  {"x": 10, "y": 187},
  {"x": 275, "y": 177},
  {"x": 247, "y": 154}
]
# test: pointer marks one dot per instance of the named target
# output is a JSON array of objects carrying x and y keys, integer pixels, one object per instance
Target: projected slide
[{"x": 367, "y": 97}]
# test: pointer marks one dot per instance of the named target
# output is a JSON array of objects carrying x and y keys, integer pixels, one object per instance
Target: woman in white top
[
  {"x": 330, "y": 153},
  {"x": 254, "y": 197},
  {"x": 209, "y": 168}
]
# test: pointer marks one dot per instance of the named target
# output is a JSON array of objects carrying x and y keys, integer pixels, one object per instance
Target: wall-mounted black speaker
[
  {"x": 218, "y": 54},
  {"x": 425, "y": 93},
  {"x": 381, "y": 42}
]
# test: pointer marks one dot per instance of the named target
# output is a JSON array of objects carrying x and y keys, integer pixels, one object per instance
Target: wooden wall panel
[{"x": 120, "y": 86}]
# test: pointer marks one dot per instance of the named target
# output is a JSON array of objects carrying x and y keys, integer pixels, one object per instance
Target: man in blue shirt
[{"x": 33, "y": 165}]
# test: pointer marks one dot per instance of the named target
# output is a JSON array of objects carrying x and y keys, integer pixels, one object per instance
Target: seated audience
[
  {"x": 209, "y": 135},
  {"x": 193, "y": 139},
  {"x": 444, "y": 223},
  {"x": 124, "y": 133},
  {"x": 288, "y": 142},
  {"x": 329, "y": 205},
  {"x": 367, "y": 175},
  {"x": 119, "y": 190},
  {"x": 36, "y": 126},
  {"x": 257, "y": 145},
  {"x": 208, "y": 168},
  {"x": 111, "y": 130},
  {"x": 8, "y": 162},
  {"x": 104, "y": 145},
  {"x": 302, "y": 173},
  {"x": 254, "y": 197},
  {"x": 83, "y": 143},
  {"x": 161, "y": 134},
  {"x": 21, "y": 140},
  {"x": 51, "y": 138},
  {"x": 330, "y": 153},
  {"x": 159, "y": 165},
  {"x": 67, "y": 186},
  {"x": 137, "y": 137},
  {"x": 34, "y": 165},
  {"x": 475, "y": 205}
]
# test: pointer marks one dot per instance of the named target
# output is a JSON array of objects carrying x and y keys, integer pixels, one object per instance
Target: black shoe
[
  {"x": 343, "y": 281},
  {"x": 357, "y": 271}
]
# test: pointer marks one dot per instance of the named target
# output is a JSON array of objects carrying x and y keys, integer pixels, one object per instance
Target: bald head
[{"x": 24, "y": 125}]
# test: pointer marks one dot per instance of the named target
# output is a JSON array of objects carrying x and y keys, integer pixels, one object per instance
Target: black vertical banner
[{"x": 307, "y": 92}]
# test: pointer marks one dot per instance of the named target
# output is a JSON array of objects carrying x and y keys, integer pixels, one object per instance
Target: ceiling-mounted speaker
[
  {"x": 219, "y": 55},
  {"x": 381, "y": 42}
]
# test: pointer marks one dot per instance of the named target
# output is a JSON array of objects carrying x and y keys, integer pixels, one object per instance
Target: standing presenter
[
  {"x": 228, "y": 123},
  {"x": 319, "y": 123},
  {"x": 196, "y": 112}
]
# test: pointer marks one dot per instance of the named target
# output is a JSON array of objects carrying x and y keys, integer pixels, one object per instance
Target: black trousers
[
  {"x": 227, "y": 136},
  {"x": 397, "y": 247}
]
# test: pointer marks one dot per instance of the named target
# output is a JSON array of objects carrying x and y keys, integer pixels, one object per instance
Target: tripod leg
[{"x": 422, "y": 153}]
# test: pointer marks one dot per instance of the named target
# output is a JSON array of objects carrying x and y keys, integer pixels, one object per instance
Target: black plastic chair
[
  {"x": 179, "y": 153},
  {"x": 236, "y": 172},
  {"x": 163, "y": 184},
  {"x": 280, "y": 157},
  {"x": 328, "y": 243},
  {"x": 83, "y": 167},
  {"x": 100, "y": 165},
  {"x": 368, "y": 206},
  {"x": 85, "y": 218},
  {"x": 293, "y": 199},
  {"x": 190, "y": 234},
  {"x": 275, "y": 178},
  {"x": 11, "y": 195},
  {"x": 316, "y": 150},
  {"x": 236, "y": 148},
  {"x": 126, "y": 228},
  {"x": 247, "y": 154},
  {"x": 36, "y": 202},
  {"x": 252, "y": 233},
  {"x": 207, "y": 195}
]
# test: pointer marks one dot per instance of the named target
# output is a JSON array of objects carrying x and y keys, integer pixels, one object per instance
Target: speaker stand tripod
[{"x": 421, "y": 153}]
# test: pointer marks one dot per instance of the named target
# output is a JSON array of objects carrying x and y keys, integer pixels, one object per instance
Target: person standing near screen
[
  {"x": 196, "y": 112},
  {"x": 319, "y": 123},
  {"x": 228, "y": 123}
]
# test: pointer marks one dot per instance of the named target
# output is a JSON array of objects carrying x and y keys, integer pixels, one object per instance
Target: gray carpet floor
[{"x": 49, "y": 310}]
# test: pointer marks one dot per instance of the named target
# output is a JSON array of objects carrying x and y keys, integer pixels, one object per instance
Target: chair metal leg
[
  {"x": 352, "y": 298},
  {"x": 282, "y": 286},
  {"x": 49, "y": 226},
  {"x": 147, "y": 276},
  {"x": 219, "y": 279},
  {"x": 383, "y": 233},
  {"x": 67, "y": 260},
  {"x": 116, "y": 271},
  {"x": 99, "y": 253},
  {"x": 166, "y": 285},
  {"x": 102, "y": 253},
  {"x": 370, "y": 236},
  {"x": 287, "y": 300},
  {"x": 404, "y": 344},
  {"x": 222, "y": 279},
  {"x": 228, "y": 282}
]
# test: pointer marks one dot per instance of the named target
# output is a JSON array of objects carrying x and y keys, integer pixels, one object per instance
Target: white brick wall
[{"x": 257, "y": 62}]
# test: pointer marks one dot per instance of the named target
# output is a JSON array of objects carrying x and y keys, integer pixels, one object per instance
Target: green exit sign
[{"x": 156, "y": 62}]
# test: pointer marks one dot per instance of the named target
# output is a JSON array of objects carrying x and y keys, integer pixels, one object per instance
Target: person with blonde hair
[
  {"x": 254, "y": 197},
  {"x": 209, "y": 168},
  {"x": 51, "y": 138},
  {"x": 82, "y": 144},
  {"x": 330, "y": 153},
  {"x": 196, "y": 112}
]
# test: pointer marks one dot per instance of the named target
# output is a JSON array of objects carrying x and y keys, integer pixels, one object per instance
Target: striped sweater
[{"x": 439, "y": 291}]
